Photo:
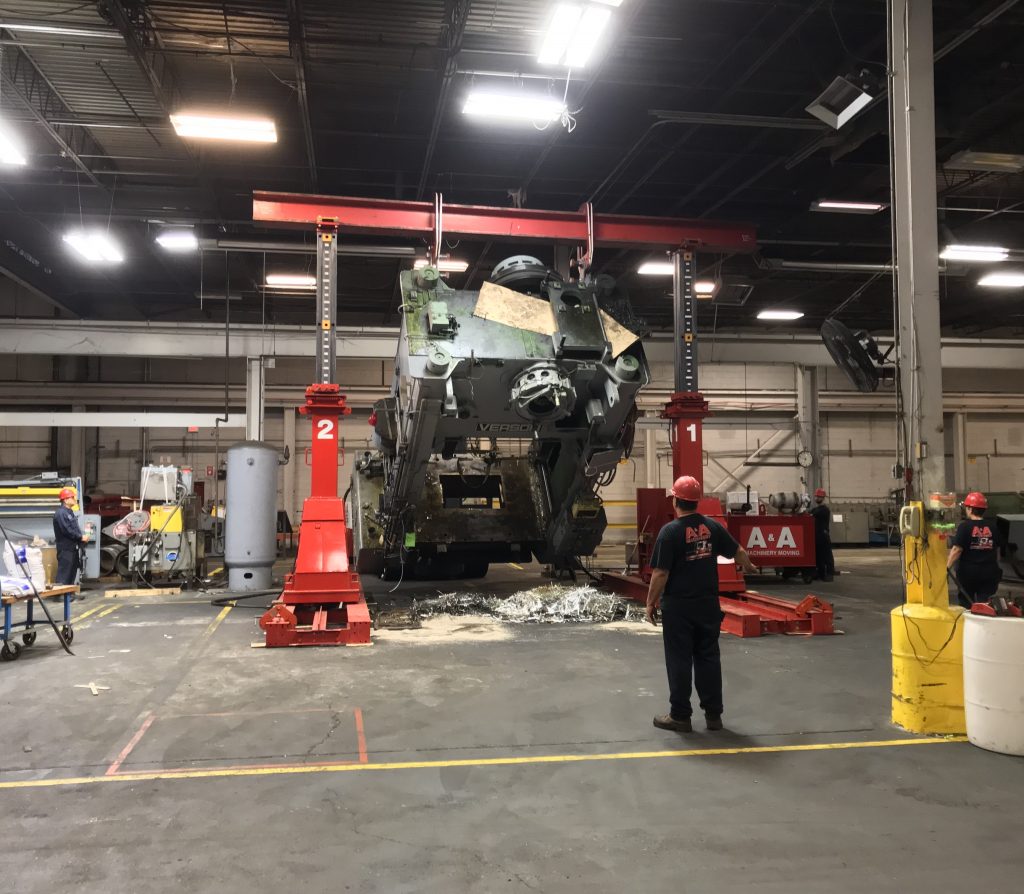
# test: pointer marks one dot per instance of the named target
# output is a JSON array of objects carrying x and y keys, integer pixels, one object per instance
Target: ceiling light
[
  {"x": 779, "y": 315},
  {"x": 595, "y": 20},
  {"x": 11, "y": 150},
  {"x": 219, "y": 127},
  {"x": 95, "y": 246},
  {"x": 997, "y": 162},
  {"x": 987, "y": 253},
  {"x": 840, "y": 101},
  {"x": 573, "y": 33},
  {"x": 445, "y": 265},
  {"x": 841, "y": 207},
  {"x": 290, "y": 281},
  {"x": 178, "y": 240},
  {"x": 1003, "y": 281},
  {"x": 514, "y": 106},
  {"x": 57, "y": 29},
  {"x": 656, "y": 268},
  {"x": 705, "y": 287}
]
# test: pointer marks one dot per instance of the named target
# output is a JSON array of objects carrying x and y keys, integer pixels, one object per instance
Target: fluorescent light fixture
[
  {"x": 595, "y": 20},
  {"x": 58, "y": 29},
  {"x": 95, "y": 246},
  {"x": 997, "y": 162},
  {"x": 779, "y": 315},
  {"x": 514, "y": 106},
  {"x": 656, "y": 268},
  {"x": 290, "y": 281},
  {"x": 843, "y": 207},
  {"x": 573, "y": 33},
  {"x": 11, "y": 150},
  {"x": 563, "y": 24},
  {"x": 178, "y": 240},
  {"x": 222, "y": 127},
  {"x": 1002, "y": 281},
  {"x": 444, "y": 265},
  {"x": 705, "y": 287},
  {"x": 983, "y": 253},
  {"x": 840, "y": 101}
]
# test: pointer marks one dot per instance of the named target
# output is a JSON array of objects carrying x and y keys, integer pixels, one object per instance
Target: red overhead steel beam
[{"x": 393, "y": 217}]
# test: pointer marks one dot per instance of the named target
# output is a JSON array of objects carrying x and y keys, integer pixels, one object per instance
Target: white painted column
[
  {"x": 254, "y": 398},
  {"x": 960, "y": 452},
  {"x": 912, "y": 101}
]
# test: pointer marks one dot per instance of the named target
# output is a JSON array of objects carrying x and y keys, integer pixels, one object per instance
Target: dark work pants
[
  {"x": 67, "y": 566},
  {"x": 823, "y": 555},
  {"x": 977, "y": 584},
  {"x": 690, "y": 629}
]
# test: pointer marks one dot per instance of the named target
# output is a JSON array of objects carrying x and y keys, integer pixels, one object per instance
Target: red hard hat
[
  {"x": 67, "y": 493},
  {"x": 820, "y": 492},
  {"x": 687, "y": 488},
  {"x": 976, "y": 500}
]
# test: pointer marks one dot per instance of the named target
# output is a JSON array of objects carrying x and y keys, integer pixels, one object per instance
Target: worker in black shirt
[
  {"x": 685, "y": 582},
  {"x": 69, "y": 537},
  {"x": 822, "y": 516},
  {"x": 976, "y": 549}
]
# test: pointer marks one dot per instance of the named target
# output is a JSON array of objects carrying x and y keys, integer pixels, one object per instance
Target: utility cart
[{"x": 11, "y": 648}]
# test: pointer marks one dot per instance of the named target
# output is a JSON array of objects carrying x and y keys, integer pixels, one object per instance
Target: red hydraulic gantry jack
[
  {"x": 322, "y": 603},
  {"x": 747, "y": 613}
]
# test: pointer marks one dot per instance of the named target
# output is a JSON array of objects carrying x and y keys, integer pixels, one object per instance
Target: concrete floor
[{"x": 189, "y": 696}]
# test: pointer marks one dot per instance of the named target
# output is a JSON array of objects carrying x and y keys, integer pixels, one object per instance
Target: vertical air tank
[{"x": 250, "y": 523}]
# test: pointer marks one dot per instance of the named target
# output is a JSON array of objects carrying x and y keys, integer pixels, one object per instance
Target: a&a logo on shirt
[
  {"x": 698, "y": 542},
  {"x": 981, "y": 537}
]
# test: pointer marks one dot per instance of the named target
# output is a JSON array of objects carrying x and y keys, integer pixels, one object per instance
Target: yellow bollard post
[{"x": 927, "y": 640}]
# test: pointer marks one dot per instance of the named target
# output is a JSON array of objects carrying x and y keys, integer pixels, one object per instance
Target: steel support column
[
  {"x": 810, "y": 422},
  {"x": 960, "y": 452},
  {"x": 912, "y": 103},
  {"x": 255, "y": 398}
]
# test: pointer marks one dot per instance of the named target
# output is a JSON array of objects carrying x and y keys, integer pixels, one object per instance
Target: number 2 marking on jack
[
  {"x": 692, "y": 429},
  {"x": 324, "y": 429}
]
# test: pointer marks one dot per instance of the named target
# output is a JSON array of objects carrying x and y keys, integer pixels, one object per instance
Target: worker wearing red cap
[
  {"x": 822, "y": 516},
  {"x": 685, "y": 583},
  {"x": 69, "y": 537},
  {"x": 976, "y": 549}
]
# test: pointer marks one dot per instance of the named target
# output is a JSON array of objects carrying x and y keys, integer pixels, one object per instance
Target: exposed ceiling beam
[
  {"x": 297, "y": 45},
  {"x": 456, "y": 16},
  {"x": 23, "y": 78}
]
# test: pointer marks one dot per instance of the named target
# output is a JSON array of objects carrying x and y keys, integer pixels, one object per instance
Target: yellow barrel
[{"x": 928, "y": 669}]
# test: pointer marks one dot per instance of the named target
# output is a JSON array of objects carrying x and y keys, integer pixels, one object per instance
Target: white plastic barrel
[{"x": 994, "y": 682}]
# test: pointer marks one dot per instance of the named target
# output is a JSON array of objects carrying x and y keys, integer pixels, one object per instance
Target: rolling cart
[{"x": 11, "y": 649}]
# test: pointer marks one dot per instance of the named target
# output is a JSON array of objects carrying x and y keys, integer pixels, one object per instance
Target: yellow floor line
[
  {"x": 467, "y": 762},
  {"x": 106, "y": 611},
  {"x": 215, "y": 623},
  {"x": 86, "y": 614},
  {"x": 514, "y": 565}
]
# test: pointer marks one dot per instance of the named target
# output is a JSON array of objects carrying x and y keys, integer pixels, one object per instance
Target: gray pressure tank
[{"x": 250, "y": 523}]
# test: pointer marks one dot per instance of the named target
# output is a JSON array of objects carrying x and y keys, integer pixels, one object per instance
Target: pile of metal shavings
[{"x": 546, "y": 604}]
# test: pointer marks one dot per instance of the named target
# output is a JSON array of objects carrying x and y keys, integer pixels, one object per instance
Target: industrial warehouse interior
[{"x": 497, "y": 445}]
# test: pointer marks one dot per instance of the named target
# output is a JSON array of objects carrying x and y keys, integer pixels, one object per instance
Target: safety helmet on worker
[
  {"x": 976, "y": 500},
  {"x": 688, "y": 488},
  {"x": 67, "y": 493},
  {"x": 820, "y": 492}
]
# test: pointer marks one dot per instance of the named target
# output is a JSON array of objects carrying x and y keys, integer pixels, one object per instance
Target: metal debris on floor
[{"x": 546, "y": 604}]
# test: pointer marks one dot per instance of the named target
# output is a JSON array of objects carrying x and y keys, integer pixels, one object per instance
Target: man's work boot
[
  {"x": 714, "y": 721},
  {"x": 667, "y": 721}
]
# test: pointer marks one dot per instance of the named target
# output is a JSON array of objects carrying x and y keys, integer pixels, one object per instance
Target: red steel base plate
[
  {"x": 747, "y": 613},
  {"x": 330, "y": 624}
]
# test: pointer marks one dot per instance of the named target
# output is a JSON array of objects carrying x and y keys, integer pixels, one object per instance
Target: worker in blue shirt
[{"x": 69, "y": 538}]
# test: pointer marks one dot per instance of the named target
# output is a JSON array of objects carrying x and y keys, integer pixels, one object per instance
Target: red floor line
[
  {"x": 361, "y": 734},
  {"x": 120, "y": 759}
]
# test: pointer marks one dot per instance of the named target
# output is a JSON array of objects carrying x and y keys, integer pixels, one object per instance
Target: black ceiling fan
[{"x": 857, "y": 354}]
